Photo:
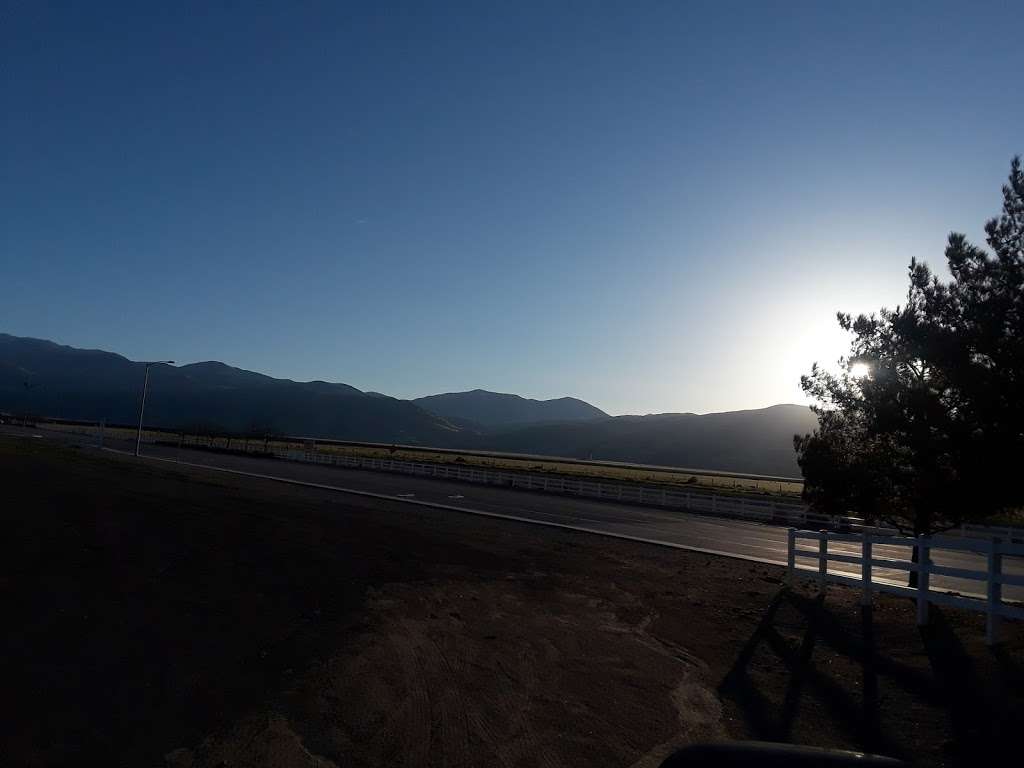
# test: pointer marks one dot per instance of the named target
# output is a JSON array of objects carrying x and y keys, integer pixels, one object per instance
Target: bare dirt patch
[
  {"x": 161, "y": 616},
  {"x": 515, "y": 686}
]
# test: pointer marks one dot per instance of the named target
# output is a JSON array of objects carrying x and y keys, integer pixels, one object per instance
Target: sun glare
[{"x": 860, "y": 370}]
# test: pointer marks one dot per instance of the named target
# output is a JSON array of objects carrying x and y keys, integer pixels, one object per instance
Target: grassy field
[
  {"x": 168, "y": 615},
  {"x": 573, "y": 469},
  {"x": 744, "y": 485}
]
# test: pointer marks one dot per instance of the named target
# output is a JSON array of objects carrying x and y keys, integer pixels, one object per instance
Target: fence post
[
  {"x": 822, "y": 560},
  {"x": 995, "y": 592},
  {"x": 791, "y": 556},
  {"x": 865, "y": 570},
  {"x": 923, "y": 573}
]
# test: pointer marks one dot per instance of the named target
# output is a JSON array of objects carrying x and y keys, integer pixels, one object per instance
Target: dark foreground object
[{"x": 763, "y": 754}]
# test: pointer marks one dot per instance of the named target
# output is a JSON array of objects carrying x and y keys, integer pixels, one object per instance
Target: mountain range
[
  {"x": 480, "y": 408},
  {"x": 48, "y": 379}
]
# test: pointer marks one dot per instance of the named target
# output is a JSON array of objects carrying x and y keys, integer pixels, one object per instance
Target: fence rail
[
  {"x": 993, "y": 549},
  {"x": 706, "y": 503},
  {"x": 703, "y": 502}
]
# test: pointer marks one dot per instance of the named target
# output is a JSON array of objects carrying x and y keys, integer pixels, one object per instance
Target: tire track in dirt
[
  {"x": 454, "y": 724},
  {"x": 450, "y": 715},
  {"x": 413, "y": 721}
]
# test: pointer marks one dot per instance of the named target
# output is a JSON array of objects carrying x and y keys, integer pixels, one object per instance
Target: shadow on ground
[{"x": 817, "y": 648}]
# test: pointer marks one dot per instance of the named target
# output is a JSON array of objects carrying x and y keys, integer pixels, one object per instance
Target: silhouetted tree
[{"x": 932, "y": 433}]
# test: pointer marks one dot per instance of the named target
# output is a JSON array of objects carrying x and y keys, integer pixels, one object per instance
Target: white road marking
[
  {"x": 452, "y": 508},
  {"x": 743, "y": 541}
]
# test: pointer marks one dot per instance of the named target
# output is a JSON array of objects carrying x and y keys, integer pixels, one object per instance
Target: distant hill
[
  {"x": 48, "y": 379},
  {"x": 756, "y": 441},
  {"x": 495, "y": 410}
]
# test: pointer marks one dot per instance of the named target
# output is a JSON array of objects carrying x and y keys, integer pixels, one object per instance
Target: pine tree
[{"x": 933, "y": 433}]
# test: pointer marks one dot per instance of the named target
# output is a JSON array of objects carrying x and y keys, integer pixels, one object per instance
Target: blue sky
[{"x": 653, "y": 206}]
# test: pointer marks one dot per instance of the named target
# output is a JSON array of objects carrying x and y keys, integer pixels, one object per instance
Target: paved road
[{"x": 736, "y": 538}]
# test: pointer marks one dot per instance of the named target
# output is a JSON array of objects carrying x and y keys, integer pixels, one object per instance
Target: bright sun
[{"x": 860, "y": 370}]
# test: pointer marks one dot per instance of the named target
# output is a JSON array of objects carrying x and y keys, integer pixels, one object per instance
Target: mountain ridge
[
  {"x": 496, "y": 409},
  {"x": 51, "y": 379},
  {"x": 45, "y": 378}
]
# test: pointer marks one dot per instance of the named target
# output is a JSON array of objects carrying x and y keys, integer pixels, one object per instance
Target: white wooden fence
[
  {"x": 701, "y": 502},
  {"x": 993, "y": 577},
  {"x": 719, "y": 505}
]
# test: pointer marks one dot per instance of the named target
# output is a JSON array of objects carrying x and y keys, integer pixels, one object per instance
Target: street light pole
[{"x": 142, "y": 407}]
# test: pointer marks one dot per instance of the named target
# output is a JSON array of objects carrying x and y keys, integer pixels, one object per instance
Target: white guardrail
[
  {"x": 993, "y": 577},
  {"x": 702, "y": 502},
  {"x": 661, "y": 496}
]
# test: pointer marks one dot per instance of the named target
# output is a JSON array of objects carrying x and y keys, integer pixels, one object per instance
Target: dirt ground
[{"x": 162, "y": 616}]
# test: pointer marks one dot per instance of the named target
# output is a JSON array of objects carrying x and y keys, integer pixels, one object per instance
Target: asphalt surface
[{"x": 734, "y": 538}]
